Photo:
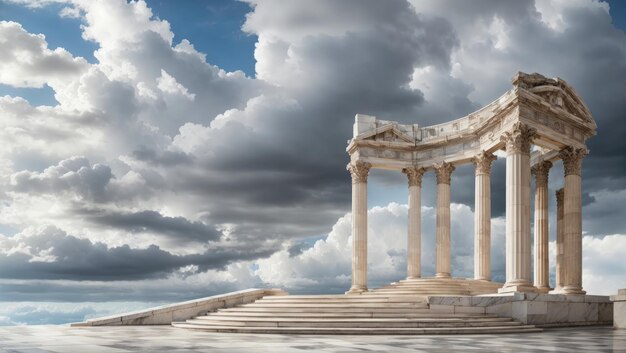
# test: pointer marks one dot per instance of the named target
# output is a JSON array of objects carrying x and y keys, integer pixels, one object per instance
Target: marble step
[
  {"x": 430, "y": 293},
  {"x": 363, "y": 300},
  {"x": 350, "y": 319},
  {"x": 363, "y": 331},
  {"x": 281, "y": 314},
  {"x": 343, "y": 305},
  {"x": 316, "y": 309},
  {"x": 352, "y": 323}
]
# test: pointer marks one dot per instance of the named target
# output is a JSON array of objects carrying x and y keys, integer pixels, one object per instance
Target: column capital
[
  {"x": 559, "y": 196},
  {"x": 541, "y": 171},
  {"x": 415, "y": 175},
  {"x": 572, "y": 160},
  {"x": 482, "y": 161},
  {"x": 359, "y": 171},
  {"x": 443, "y": 171},
  {"x": 519, "y": 138}
]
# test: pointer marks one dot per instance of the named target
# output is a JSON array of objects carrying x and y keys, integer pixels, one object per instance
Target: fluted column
[
  {"x": 518, "y": 141},
  {"x": 560, "y": 269},
  {"x": 442, "y": 266},
  {"x": 572, "y": 220},
  {"x": 359, "y": 172},
  {"x": 414, "y": 247},
  {"x": 542, "y": 269},
  {"x": 482, "y": 216}
]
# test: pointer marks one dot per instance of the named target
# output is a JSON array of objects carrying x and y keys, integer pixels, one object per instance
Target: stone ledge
[
  {"x": 166, "y": 314},
  {"x": 551, "y": 310}
]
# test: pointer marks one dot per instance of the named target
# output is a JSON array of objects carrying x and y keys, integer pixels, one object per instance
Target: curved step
[
  {"x": 335, "y": 305},
  {"x": 315, "y": 309},
  {"x": 354, "y": 323},
  {"x": 282, "y": 314},
  {"x": 362, "y": 331}
]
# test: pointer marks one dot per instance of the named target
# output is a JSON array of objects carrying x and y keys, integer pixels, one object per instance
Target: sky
[{"x": 158, "y": 151}]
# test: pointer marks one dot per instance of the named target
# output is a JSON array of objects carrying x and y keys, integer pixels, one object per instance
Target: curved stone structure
[{"x": 538, "y": 121}]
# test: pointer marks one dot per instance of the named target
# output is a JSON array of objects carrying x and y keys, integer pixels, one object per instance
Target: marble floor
[{"x": 41, "y": 339}]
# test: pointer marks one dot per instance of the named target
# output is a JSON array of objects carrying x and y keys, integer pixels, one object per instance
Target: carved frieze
[
  {"x": 541, "y": 171},
  {"x": 359, "y": 171},
  {"x": 483, "y": 161},
  {"x": 443, "y": 171},
  {"x": 414, "y": 175},
  {"x": 572, "y": 160},
  {"x": 519, "y": 138}
]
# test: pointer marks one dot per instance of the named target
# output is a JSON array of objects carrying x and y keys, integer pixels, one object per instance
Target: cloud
[
  {"x": 74, "y": 174},
  {"x": 326, "y": 265},
  {"x": 26, "y": 61},
  {"x": 177, "y": 228},
  {"x": 603, "y": 264},
  {"x": 50, "y": 253},
  {"x": 168, "y": 84}
]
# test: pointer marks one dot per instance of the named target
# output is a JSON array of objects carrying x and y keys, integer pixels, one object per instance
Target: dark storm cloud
[
  {"x": 162, "y": 158},
  {"x": 148, "y": 221},
  {"x": 53, "y": 254}
]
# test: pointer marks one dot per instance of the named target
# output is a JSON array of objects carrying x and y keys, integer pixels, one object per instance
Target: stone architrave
[
  {"x": 482, "y": 215},
  {"x": 572, "y": 220},
  {"x": 359, "y": 172},
  {"x": 414, "y": 248},
  {"x": 542, "y": 270},
  {"x": 560, "y": 269},
  {"x": 443, "y": 171},
  {"x": 518, "y": 245}
]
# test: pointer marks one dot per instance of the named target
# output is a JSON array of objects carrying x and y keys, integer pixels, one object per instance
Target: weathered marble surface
[
  {"x": 156, "y": 339},
  {"x": 535, "y": 308}
]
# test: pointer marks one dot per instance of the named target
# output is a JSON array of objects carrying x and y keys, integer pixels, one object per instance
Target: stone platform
[{"x": 408, "y": 307}]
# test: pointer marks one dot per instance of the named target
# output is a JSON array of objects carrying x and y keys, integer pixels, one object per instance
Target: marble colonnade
[{"x": 517, "y": 144}]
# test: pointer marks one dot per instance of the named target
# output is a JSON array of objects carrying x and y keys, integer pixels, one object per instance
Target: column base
[
  {"x": 557, "y": 290},
  {"x": 484, "y": 279},
  {"x": 414, "y": 277},
  {"x": 543, "y": 289},
  {"x": 357, "y": 290},
  {"x": 442, "y": 275},
  {"x": 572, "y": 290},
  {"x": 518, "y": 287}
]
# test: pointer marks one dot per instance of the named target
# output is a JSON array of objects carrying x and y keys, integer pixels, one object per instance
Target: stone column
[
  {"x": 559, "y": 241},
  {"x": 572, "y": 220},
  {"x": 482, "y": 216},
  {"x": 442, "y": 266},
  {"x": 542, "y": 269},
  {"x": 359, "y": 172},
  {"x": 518, "y": 141},
  {"x": 414, "y": 247}
]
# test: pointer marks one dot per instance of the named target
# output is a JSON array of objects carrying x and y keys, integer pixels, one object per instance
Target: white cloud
[
  {"x": 604, "y": 268},
  {"x": 327, "y": 263},
  {"x": 168, "y": 84},
  {"x": 26, "y": 61}
]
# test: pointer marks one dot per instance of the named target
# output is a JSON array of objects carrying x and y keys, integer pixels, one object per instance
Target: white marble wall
[
  {"x": 619, "y": 309},
  {"x": 534, "y": 308}
]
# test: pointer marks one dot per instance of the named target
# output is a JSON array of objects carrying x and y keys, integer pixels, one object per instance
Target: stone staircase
[
  {"x": 440, "y": 286},
  {"x": 398, "y": 309}
]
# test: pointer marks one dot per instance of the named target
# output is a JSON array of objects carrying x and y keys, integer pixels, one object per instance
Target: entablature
[{"x": 549, "y": 105}]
